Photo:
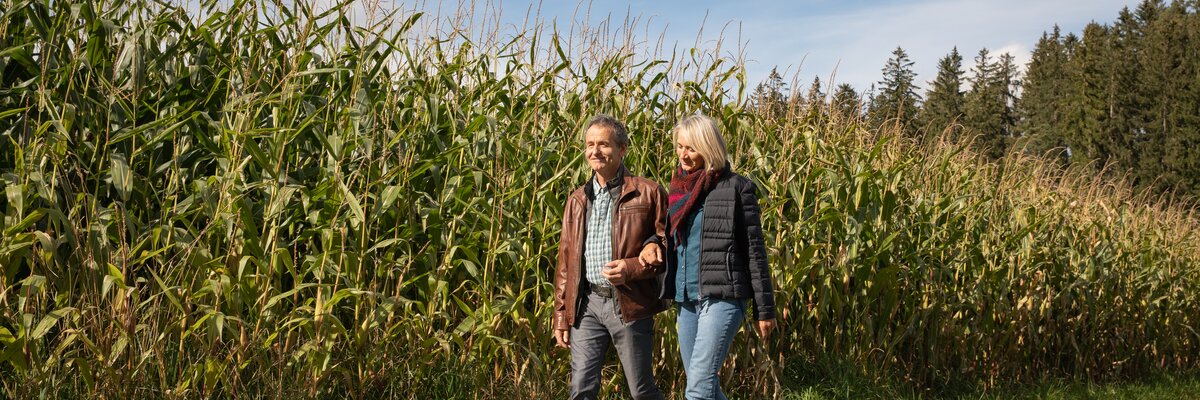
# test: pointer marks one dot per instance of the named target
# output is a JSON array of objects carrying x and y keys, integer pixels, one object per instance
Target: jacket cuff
[
  {"x": 639, "y": 270},
  {"x": 560, "y": 321},
  {"x": 653, "y": 239},
  {"x": 763, "y": 313}
]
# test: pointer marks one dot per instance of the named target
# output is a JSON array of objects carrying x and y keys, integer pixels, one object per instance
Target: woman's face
[{"x": 689, "y": 159}]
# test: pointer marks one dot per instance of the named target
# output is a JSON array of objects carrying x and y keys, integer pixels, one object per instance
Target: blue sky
[
  {"x": 846, "y": 40},
  {"x": 854, "y": 38}
]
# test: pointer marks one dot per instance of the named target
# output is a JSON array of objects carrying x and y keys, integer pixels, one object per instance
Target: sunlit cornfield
[{"x": 278, "y": 200}]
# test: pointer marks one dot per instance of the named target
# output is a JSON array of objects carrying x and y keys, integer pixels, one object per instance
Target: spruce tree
[
  {"x": 896, "y": 102},
  {"x": 845, "y": 103},
  {"x": 1008, "y": 83},
  {"x": 814, "y": 102},
  {"x": 1177, "y": 29},
  {"x": 1189, "y": 107},
  {"x": 1123, "y": 120},
  {"x": 770, "y": 97},
  {"x": 985, "y": 105},
  {"x": 945, "y": 101},
  {"x": 1040, "y": 112},
  {"x": 1125, "y": 96},
  {"x": 1085, "y": 102},
  {"x": 1157, "y": 80}
]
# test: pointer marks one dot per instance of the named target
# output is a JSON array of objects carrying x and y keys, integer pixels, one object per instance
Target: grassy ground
[
  {"x": 842, "y": 383},
  {"x": 1163, "y": 387}
]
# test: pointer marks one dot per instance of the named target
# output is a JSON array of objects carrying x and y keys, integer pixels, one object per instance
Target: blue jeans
[{"x": 706, "y": 328}]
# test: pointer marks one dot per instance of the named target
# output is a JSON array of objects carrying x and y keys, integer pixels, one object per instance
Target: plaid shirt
[{"x": 597, "y": 250}]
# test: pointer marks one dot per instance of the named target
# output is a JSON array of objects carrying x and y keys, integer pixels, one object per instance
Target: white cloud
[{"x": 1020, "y": 52}]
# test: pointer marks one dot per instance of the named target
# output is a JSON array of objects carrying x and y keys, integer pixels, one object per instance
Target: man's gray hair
[{"x": 617, "y": 128}]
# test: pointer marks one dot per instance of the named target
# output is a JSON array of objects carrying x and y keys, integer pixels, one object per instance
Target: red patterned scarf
[{"x": 687, "y": 190}]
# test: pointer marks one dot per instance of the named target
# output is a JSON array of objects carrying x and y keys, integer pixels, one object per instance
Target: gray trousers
[{"x": 599, "y": 327}]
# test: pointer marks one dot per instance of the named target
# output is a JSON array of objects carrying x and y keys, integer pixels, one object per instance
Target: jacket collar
[{"x": 589, "y": 188}]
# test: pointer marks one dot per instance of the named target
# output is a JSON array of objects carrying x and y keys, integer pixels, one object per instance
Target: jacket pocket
[
  {"x": 635, "y": 208},
  {"x": 729, "y": 265}
]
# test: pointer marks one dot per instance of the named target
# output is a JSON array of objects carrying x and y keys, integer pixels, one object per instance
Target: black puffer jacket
[{"x": 733, "y": 257}]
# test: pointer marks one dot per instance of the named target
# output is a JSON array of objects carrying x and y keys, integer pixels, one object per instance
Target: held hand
[
  {"x": 615, "y": 272},
  {"x": 563, "y": 337},
  {"x": 765, "y": 327},
  {"x": 651, "y": 254}
]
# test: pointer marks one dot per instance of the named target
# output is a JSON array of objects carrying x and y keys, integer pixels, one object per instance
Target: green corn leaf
[{"x": 48, "y": 322}]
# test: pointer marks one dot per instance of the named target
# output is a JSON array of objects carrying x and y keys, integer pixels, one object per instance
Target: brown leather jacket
[{"x": 641, "y": 216}]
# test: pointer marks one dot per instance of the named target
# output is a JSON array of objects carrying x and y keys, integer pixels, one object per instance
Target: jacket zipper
[
  {"x": 613, "y": 238},
  {"x": 729, "y": 264},
  {"x": 582, "y": 261}
]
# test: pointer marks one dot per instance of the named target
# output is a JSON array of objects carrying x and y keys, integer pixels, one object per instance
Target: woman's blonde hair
[{"x": 705, "y": 136}]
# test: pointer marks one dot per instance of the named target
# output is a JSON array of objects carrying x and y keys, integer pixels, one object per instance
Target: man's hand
[
  {"x": 765, "y": 327},
  {"x": 651, "y": 254},
  {"x": 563, "y": 336},
  {"x": 615, "y": 272}
]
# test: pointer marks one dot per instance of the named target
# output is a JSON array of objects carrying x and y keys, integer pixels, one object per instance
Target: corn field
[{"x": 274, "y": 200}]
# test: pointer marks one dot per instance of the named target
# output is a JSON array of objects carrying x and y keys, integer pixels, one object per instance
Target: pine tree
[
  {"x": 845, "y": 103},
  {"x": 1008, "y": 83},
  {"x": 945, "y": 101},
  {"x": 1175, "y": 37},
  {"x": 985, "y": 105},
  {"x": 770, "y": 97},
  {"x": 815, "y": 102},
  {"x": 1123, "y": 121},
  {"x": 1148, "y": 11},
  {"x": 897, "y": 99},
  {"x": 1089, "y": 124},
  {"x": 1124, "y": 96},
  {"x": 1086, "y": 102},
  {"x": 1157, "y": 79},
  {"x": 1039, "y": 111},
  {"x": 1189, "y": 106}
]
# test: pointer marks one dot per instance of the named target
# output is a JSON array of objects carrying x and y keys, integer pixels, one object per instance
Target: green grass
[
  {"x": 829, "y": 381},
  {"x": 835, "y": 380},
  {"x": 1153, "y": 388}
]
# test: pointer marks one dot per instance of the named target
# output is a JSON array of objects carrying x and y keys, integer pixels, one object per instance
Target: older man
[{"x": 603, "y": 294}]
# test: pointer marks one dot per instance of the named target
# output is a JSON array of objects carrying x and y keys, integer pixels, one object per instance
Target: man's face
[{"x": 603, "y": 153}]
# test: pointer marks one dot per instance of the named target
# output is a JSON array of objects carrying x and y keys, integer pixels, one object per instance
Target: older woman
[{"x": 716, "y": 259}]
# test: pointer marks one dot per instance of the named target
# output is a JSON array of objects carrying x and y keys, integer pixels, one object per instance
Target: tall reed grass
[{"x": 272, "y": 200}]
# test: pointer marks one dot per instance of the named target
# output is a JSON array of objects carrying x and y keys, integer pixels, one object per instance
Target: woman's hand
[
  {"x": 765, "y": 327},
  {"x": 651, "y": 254}
]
